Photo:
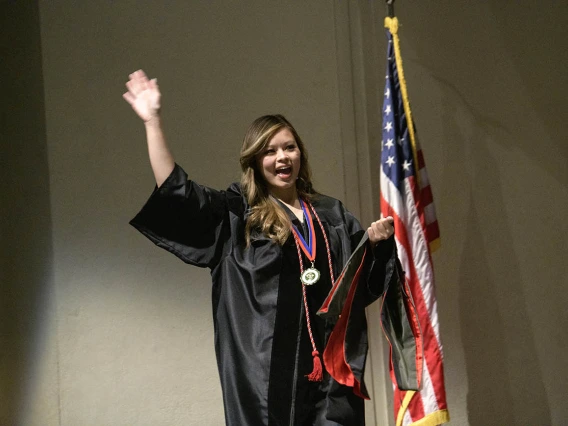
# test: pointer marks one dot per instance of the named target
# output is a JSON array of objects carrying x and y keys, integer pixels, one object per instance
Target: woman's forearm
[{"x": 161, "y": 158}]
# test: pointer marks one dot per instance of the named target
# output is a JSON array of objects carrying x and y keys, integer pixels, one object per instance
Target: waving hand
[{"x": 143, "y": 95}]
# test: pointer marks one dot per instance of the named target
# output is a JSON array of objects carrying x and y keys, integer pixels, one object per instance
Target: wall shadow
[
  {"x": 503, "y": 370},
  {"x": 25, "y": 219},
  {"x": 482, "y": 334}
]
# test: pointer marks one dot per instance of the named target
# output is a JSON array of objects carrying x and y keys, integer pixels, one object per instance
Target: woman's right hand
[{"x": 143, "y": 95}]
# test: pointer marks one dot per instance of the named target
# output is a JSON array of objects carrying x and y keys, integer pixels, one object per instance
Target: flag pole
[
  {"x": 390, "y": 8},
  {"x": 405, "y": 195}
]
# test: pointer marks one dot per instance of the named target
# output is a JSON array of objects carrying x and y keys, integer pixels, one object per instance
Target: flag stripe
[
  {"x": 421, "y": 163},
  {"x": 426, "y": 197},
  {"x": 433, "y": 231},
  {"x": 429, "y": 399},
  {"x": 424, "y": 180},
  {"x": 430, "y": 216}
]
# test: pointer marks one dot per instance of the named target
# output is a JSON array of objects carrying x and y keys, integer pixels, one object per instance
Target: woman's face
[{"x": 279, "y": 164}]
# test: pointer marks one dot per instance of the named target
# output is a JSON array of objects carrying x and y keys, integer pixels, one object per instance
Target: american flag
[{"x": 407, "y": 197}]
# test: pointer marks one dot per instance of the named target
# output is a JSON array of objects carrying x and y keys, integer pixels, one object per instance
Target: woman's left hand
[{"x": 381, "y": 230}]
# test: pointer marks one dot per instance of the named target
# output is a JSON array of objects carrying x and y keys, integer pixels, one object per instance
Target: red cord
[{"x": 317, "y": 373}]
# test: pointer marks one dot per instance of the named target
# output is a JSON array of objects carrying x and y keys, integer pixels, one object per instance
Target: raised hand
[
  {"x": 143, "y": 95},
  {"x": 380, "y": 230}
]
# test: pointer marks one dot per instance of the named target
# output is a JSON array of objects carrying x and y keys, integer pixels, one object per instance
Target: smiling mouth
[{"x": 284, "y": 172}]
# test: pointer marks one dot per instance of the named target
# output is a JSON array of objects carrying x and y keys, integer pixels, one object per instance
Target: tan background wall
[{"x": 102, "y": 328}]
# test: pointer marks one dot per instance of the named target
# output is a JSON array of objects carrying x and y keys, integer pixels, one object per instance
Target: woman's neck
[
  {"x": 292, "y": 201},
  {"x": 290, "y": 198}
]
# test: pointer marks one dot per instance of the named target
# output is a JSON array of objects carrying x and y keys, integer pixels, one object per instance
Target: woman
[{"x": 259, "y": 239}]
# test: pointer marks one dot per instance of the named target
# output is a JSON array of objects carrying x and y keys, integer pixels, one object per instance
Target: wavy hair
[{"x": 266, "y": 215}]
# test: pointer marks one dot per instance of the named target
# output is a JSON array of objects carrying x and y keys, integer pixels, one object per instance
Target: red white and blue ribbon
[{"x": 308, "y": 248}]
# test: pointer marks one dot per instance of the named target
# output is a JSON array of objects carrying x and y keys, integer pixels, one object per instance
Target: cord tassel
[{"x": 317, "y": 374}]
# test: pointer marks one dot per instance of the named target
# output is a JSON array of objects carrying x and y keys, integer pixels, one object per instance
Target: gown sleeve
[
  {"x": 371, "y": 272},
  {"x": 189, "y": 220},
  {"x": 384, "y": 277},
  {"x": 379, "y": 262}
]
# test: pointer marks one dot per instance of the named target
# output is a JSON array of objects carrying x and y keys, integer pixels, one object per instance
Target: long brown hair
[{"x": 266, "y": 215}]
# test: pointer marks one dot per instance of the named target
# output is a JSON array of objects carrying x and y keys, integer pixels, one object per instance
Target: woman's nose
[{"x": 281, "y": 154}]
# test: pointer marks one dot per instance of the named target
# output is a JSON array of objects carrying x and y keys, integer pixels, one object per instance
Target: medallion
[{"x": 310, "y": 276}]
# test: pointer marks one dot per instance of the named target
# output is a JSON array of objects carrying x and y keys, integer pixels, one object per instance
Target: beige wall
[{"x": 102, "y": 328}]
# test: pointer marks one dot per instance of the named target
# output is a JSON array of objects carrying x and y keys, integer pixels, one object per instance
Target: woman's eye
[
  {"x": 291, "y": 147},
  {"x": 269, "y": 151}
]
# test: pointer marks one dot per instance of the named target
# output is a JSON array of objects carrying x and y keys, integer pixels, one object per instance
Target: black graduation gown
[{"x": 261, "y": 343}]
